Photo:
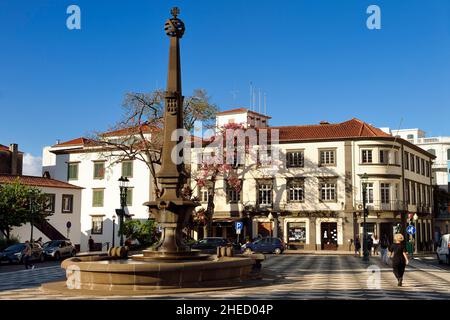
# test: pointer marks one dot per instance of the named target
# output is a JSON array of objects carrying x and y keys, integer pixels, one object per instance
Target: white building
[
  {"x": 440, "y": 147},
  {"x": 64, "y": 202},
  {"x": 313, "y": 200},
  {"x": 84, "y": 164}
]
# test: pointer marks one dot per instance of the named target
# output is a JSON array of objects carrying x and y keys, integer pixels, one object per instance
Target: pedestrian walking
[
  {"x": 384, "y": 246},
  {"x": 369, "y": 244},
  {"x": 27, "y": 251},
  {"x": 357, "y": 246},
  {"x": 399, "y": 257},
  {"x": 91, "y": 243},
  {"x": 376, "y": 245}
]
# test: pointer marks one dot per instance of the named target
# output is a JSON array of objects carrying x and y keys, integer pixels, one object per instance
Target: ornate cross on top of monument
[{"x": 175, "y": 11}]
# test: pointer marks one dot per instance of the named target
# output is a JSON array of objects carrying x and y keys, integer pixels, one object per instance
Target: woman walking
[{"x": 399, "y": 258}]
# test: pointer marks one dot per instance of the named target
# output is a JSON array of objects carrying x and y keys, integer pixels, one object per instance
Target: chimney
[{"x": 14, "y": 149}]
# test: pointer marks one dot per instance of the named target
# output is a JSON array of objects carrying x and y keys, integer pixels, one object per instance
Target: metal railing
[{"x": 378, "y": 205}]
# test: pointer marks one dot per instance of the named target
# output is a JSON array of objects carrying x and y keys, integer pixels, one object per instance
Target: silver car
[{"x": 57, "y": 249}]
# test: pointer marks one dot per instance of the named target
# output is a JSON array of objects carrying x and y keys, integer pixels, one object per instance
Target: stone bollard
[
  {"x": 223, "y": 251},
  {"x": 229, "y": 251},
  {"x": 218, "y": 252}
]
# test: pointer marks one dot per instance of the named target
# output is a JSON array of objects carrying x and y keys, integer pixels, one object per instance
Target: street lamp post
[
  {"x": 123, "y": 186},
  {"x": 32, "y": 209},
  {"x": 365, "y": 246},
  {"x": 113, "y": 231},
  {"x": 415, "y": 218}
]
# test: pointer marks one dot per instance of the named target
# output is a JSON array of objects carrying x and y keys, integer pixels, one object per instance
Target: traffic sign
[
  {"x": 238, "y": 225},
  {"x": 411, "y": 230}
]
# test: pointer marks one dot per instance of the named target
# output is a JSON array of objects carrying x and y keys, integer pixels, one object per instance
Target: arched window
[{"x": 432, "y": 151}]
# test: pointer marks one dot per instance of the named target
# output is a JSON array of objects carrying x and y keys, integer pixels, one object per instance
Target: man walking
[{"x": 27, "y": 256}]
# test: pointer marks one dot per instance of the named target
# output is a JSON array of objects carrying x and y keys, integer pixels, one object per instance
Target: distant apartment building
[
  {"x": 313, "y": 199},
  {"x": 93, "y": 168},
  {"x": 439, "y": 147}
]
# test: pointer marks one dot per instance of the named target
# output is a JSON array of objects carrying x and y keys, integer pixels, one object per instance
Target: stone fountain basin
[{"x": 104, "y": 273}]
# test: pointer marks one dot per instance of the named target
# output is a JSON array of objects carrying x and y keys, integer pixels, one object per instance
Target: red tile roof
[
  {"x": 353, "y": 128},
  {"x": 3, "y": 148},
  {"x": 75, "y": 142},
  {"x": 36, "y": 181},
  {"x": 242, "y": 110},
  {"x": 120, "y": 132},
  {"x": 132, "y": 130}
]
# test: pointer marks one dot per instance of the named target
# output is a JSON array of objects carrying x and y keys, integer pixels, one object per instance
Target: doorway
[
  {"x": 329, "y": 236},
  {"x": 265, "y": 229},
  {"x": 386, "y": 228}
]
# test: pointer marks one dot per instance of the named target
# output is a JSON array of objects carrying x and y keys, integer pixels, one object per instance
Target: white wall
[
  {"x": 57, "y": 219},
  {"x": 140, "y": 183}
]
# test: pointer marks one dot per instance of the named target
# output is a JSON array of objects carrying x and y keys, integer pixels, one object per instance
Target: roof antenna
[
  {"x": 265, "y": 104},
  {"x": 259, "y": 100},
  {"x": 251, "y": 95}
]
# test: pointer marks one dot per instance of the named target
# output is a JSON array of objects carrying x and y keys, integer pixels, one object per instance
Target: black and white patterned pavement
[{"x": 305, "y": 277}]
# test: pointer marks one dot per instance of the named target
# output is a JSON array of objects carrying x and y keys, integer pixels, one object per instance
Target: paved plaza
[{"x": 303, "y": 277}]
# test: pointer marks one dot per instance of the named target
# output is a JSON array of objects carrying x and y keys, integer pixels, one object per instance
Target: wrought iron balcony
[{"x": 378, "y": 205}]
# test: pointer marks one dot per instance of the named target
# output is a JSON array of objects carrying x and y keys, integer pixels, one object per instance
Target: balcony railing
[{"x": 393, "y": 205}]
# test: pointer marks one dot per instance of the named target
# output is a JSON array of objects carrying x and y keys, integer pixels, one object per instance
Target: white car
[{"x": 443, "y": 249}]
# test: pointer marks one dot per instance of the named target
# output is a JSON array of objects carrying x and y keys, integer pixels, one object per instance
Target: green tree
[
  {"x": 142, "y": 231},
  {"x": 20, "y": 204}
]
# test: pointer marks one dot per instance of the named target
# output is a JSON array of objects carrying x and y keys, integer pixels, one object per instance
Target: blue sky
[{"x": 315, "y": 59}]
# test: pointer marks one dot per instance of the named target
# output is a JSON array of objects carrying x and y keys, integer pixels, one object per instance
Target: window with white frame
[
  {"x": 411, "y": 162},
  {"x": 296, "y": 191},
  {"x": 366, "y": 156},
  {"x": 384, "y": 156},
  {"x": 67, "y": 203},
  {"x": 97, "y": 225},
  {"x": 395, "y": 157},
  {"x": 385, "y": 189},
  {"x": 233, "y": 195},
  {"x": 328, "y": 191},
  {"x": 295, "y": 159},
  {"x": 327, "y": 157},
  {"x": 265, "y": 193},
  {"x": 205, "y": 193},
  {"x": 369, "y": 192}
]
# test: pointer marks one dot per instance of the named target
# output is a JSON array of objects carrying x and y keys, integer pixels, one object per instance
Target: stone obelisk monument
[{"x": 171, "y": 210}]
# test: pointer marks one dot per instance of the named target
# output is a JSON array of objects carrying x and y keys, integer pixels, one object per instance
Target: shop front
[{"x": 296, "y": 233}]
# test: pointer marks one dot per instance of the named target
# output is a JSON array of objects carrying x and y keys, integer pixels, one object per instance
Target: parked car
[
  {"x": 268, "y": 244},
  {"x": 210, "y": 244},
  {"x": 443, "y": 249},
  {"x": 14, "y": 253},
  {"x": 56, "y": 249}
]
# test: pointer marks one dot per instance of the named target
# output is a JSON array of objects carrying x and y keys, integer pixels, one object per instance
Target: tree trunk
[{"x": 210, "y": 208}]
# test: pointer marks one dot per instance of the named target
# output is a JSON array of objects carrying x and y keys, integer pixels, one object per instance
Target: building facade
[
  {"x": 64, "y": 205},
  {"x": 440, "y": 148},
  {"x": 312, "y": 198},
  {"x": 97, "y": 171}
]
